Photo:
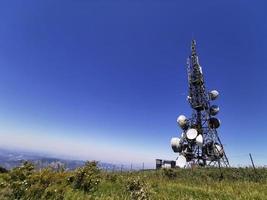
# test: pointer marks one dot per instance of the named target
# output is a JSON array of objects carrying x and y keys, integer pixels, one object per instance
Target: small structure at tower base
[{"x": 165, "y": 163}]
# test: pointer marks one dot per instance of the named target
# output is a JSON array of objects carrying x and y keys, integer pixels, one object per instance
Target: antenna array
[{"x": 199, "y": 143}]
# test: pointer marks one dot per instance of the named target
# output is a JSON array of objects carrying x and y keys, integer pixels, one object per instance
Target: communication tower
[{"x": 199, "y": 143}]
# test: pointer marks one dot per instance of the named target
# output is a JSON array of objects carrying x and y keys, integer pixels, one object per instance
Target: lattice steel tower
[{"x": 199, "y": 143}]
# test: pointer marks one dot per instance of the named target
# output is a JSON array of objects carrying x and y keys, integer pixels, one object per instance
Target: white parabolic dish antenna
[
  {"x": 214, "y": 110},
  {"x": 214, "y": 94},
  {"x": 181, "y": 161},
  {"x": 191, "y": 134},
  {"x": 218, "y": 150},
  {"x": 175, "y": 144},
  {"x": 214, "y": 122},
  {"x": 199, "y": 140},
  {"x": 182, "y": 121}
]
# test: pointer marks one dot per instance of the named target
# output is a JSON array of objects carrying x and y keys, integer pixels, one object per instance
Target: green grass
[{"x": 184, "y": 184}]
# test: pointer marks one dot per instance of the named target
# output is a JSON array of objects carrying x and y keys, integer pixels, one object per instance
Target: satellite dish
[
  {"x": 214, "y": 110},
  {"x": 191, "y": 134},
  {"x": 213, "y": 94},
  {"x": 218, "y": 150},
  {"x": 214, "y": 122},
  {"x": 182, "y": 121},
  {"x": 175, "y": 144},
  {"x": 181, "y": 161},
  {"x": 208, "y": 148},
  {"x": 199, "y": 140},
  {"x": 213, "y": 151}
]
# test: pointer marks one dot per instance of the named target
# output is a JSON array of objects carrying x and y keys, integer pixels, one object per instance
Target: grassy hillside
[{"x": 89, "y": 182}]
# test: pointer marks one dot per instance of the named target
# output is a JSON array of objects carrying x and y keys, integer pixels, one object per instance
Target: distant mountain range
[{"x": 11, "y": 158}]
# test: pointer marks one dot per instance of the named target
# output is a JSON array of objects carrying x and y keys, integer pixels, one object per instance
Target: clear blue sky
[{"x": 106, "y": 80}]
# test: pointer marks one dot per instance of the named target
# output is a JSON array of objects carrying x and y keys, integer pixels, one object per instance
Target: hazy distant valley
[{"x": 13, "y": 158}]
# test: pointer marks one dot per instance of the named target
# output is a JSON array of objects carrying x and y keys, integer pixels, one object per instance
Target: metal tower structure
[{"x": 199, "y": 143}]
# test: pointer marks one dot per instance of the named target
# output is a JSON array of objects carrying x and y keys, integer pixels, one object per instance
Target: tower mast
[{"x": 199, "y": 143}]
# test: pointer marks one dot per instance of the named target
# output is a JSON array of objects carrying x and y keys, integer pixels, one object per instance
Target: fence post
[
  {"x": 253, "y": 163},
  {"x": 121, "y": 168}
]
